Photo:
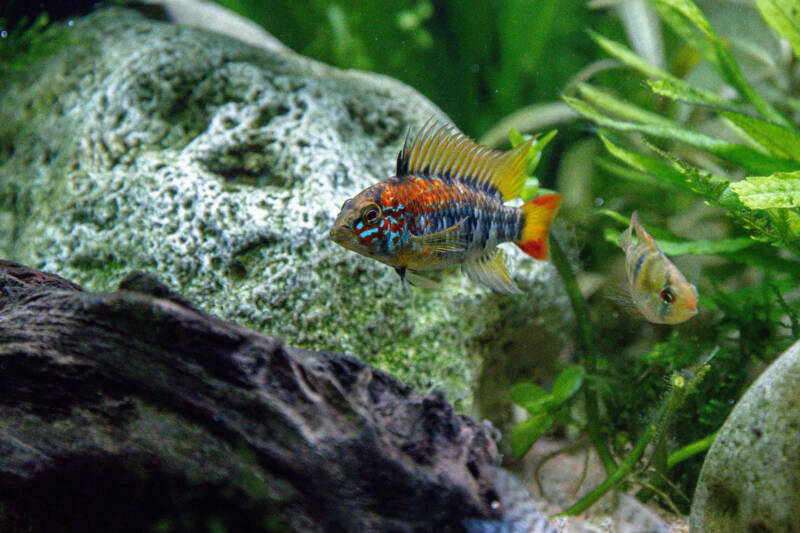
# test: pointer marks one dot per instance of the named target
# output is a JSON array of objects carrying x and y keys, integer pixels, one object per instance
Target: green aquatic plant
[
  {"x": 477, "y": 60},
  {"x": 28, "y": 42},
  {"x": 730, "y": 151}
]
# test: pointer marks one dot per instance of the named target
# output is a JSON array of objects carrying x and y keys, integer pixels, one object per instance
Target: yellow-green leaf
[
  {"x": 676, "y": 248},
  {"x": 688, "y": 93},
  {"x": 784, "y": 17},
  {"x": 690, "y": 10},
  {"x": 620, "y": 108},
  {"x": 780, "y": 190},
  {"x": 716, "y": 53},
  {"x": 629, "y": 58},
  {"x": 568, "y": 382},
  {"x": 752, "y": 160},
  {"x": 646, "y": 163},
  {"x": 525, "y": 434}
]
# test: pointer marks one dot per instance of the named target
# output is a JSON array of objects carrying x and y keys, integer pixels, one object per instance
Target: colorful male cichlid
[
  {"x": 445, "y": 206},
  {"x": 658, "y": 289}
]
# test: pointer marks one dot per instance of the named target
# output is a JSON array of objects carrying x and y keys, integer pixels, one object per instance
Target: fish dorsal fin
[
  {"x": 441, "y": 150},
  {"x": 642, "y": 234},
  {"x": 447, "y": 240},
  {"x": 490, "y": 270}
]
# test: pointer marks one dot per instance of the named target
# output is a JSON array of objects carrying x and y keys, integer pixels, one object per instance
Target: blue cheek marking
[
  {"x": 365, "y": 234},
  {"x": 359, "y": 225}
]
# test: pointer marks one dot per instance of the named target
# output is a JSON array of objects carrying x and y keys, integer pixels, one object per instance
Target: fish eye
[
  {"x": 371, "y": 214},
  {"x": 667, "y": 296}
]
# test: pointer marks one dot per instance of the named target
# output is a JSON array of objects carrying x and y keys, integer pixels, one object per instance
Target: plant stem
[
  {"x": 587, "y": 344},
  {"x": 619, "y": 474},
  {"x": 691, "y": 449}
]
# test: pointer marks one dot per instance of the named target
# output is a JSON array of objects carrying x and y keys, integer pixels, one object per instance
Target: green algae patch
[{"x": 218, "y": 167}]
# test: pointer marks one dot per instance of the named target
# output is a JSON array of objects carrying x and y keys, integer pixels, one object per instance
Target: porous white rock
[{"x": 219, "y": 167}]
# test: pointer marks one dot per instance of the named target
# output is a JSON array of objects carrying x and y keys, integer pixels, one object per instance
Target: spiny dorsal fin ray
[
  {"x": 441, "y": 150},
  {"x": 642, "y": 234},
  {"x": 490, "y": 270}
]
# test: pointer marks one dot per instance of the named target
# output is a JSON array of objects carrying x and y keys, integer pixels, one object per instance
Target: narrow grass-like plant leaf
[
  {"x": 753, "y": 161},
  {"x": 677, "y": 248},
  {"x": 620, "y": 108},
  {"x": 525, "y": 433},
  {"x": 784, "y": 17},
  {"x": 630, "y": 173},
  {"x": 646, "y": 163},
  {"x": 716, "y": 53},
  {"x": 690, "y": 94},
  {"x": 690, "y": 10},
  {"x": 629, "y": 58},
  {"x": 777, "y": 139},
  {"x": 781, "y": 190}
]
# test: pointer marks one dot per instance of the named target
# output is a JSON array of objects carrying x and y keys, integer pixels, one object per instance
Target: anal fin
[
  {"x": 422, "y": 282},
  {"x": 490, "y": 270}
]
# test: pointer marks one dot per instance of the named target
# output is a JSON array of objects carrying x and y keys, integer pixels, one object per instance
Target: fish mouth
[{"x": 339, "y": 234}]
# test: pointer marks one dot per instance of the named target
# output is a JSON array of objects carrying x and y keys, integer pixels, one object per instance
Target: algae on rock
[{"x": 219, "y": 167}]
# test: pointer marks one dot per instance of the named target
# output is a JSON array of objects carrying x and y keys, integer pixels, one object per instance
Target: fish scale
[{"x": 486, "y": 220}]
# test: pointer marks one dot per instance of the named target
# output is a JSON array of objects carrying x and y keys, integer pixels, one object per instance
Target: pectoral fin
[
  {"x": 490, "y": 270},
  {"x": 447, "y": 240}
]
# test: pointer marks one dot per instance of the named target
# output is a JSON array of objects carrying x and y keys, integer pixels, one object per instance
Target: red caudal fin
[{"x": 537, "y": 216}]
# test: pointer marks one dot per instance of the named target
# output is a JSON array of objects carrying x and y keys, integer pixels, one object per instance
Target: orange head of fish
[{"x": 368, "y": 226}]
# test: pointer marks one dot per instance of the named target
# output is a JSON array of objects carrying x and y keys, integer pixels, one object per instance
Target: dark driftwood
[{"x": 134, "y": 411}]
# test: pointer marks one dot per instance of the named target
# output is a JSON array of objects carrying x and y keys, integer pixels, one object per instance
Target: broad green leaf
[
  {"x": 714, "y": 50},
  {"x": 619, "y": 108},
  {"x": 779, "y": 190},
  {"x": 784, "y": 17},
  {"x": 753, "y": 161},
  {"x": 527, "y": 432},
  {"x": 532, "y": 398},
  {"x": 775, "y": 138},
  {"x": 568, "y": 382},
  {"x": 526, "y": 393}
]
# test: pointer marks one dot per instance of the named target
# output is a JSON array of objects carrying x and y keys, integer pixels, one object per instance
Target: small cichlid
[
  {"x": 657, "y": 287},
  {"x": 445, "y": 206}
]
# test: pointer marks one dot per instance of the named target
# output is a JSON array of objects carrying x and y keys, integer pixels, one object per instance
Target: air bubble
[
  {"x": 3, "y": 34},
  {"x": 599, "y": 201}
]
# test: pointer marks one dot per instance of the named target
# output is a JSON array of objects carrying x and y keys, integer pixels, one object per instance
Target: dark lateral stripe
[{"x": 639, "y": 263}]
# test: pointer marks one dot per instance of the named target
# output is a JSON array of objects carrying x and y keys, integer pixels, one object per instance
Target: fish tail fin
[{"x": 537, "y": 217}]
